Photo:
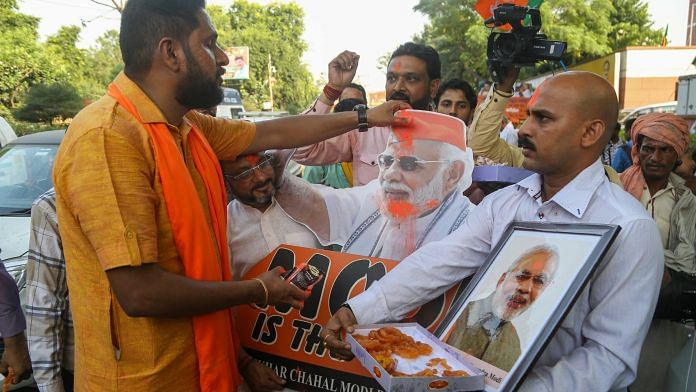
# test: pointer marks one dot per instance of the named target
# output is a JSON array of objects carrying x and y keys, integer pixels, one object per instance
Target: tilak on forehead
[
  {"x": 253, "y": 159},
  {"x": 535, "y": 96}
]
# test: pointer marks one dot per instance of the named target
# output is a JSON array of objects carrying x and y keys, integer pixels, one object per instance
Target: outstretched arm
[
  {"x": 484, "y": 133},
  {"x": 275, "y": 134}
]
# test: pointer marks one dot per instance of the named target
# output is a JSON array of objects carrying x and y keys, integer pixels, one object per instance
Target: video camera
[{"x": 524, "y": 45}]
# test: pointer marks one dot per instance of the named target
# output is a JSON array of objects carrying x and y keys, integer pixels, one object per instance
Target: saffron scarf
[{"x": 214, "y": 334}]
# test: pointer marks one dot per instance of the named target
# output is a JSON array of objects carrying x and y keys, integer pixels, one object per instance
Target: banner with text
[{"x": 288, "y": 340}]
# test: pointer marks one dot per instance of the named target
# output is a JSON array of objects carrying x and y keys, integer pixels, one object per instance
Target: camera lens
[{"x": 506, "y": 46}]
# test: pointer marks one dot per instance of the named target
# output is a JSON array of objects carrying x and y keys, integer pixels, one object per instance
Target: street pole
[{"x": 270, "y": 79}]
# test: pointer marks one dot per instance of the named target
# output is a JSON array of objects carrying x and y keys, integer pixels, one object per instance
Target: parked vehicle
[
  {"x": 25, "y": 173},
  {"x": 231, "y": 105},
  {"x": 26, "y": 164},
  {"x": 6, "y": 133},
  {"x": 665, "y": 107}
]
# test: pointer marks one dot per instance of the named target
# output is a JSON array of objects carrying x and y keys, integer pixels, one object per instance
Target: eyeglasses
[
  {"x": 246, "y": 174},
  {"x": 406, "y": 163}
]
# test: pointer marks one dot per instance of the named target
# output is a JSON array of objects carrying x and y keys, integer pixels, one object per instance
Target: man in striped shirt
[{"x": 49, "y": 322}]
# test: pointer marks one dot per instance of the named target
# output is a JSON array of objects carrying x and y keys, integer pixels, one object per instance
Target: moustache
[
  {"x": 395, "y": 187},
  {"x": 399, "y": 96},
  {"x": 220, "y": 72},
  {"x": 524, "y": 142},
  {"x": 263, "y": 184}
]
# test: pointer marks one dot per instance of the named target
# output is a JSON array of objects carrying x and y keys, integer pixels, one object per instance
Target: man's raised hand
[{"x": 342, "y": 70}]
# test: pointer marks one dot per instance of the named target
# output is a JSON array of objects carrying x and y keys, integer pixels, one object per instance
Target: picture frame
[{"x": 518, "y": 298}]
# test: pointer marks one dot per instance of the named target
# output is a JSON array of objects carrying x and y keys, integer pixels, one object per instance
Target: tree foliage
[
  {"x": 592, "y": 28},
  {"x": 274, "y": 29},
  {"x": 25, "y": 61},
  {"x": 631, "y": 25},
  {"x": 20, "y": 54},
  {"x": 44, "y": 103}
]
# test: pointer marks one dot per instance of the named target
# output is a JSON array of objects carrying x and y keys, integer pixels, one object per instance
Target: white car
[
  {"x": 6, "y": 133},
  {"x": 26, "y": 164}
]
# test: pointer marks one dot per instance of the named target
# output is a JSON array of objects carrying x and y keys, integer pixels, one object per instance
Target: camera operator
[{"x": 484, "y": 138}]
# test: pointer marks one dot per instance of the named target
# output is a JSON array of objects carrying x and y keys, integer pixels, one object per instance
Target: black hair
[
  {"x": 628, "y": 124},
  {"x": 359, "y": 88},
  {"x": 458, "y": 84},
  {"x": 639, "y": 140},
  {"x": 424, "y": 52},
  {"x": 145, "y": 22}
]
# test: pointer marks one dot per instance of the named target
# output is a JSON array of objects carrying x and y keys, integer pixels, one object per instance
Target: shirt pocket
[{"x": 368, "y": 158}]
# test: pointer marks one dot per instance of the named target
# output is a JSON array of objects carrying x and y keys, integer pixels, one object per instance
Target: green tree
[
  {"x": 103, "y": 63},
  {"x": 458, "y": 34},
  {"x": 22, "y": 62},
  {"x": 632, "y": 26},
  {"x": 274, "y": 29},
  {"x": 68, "y": 62},
  {"x": 45, "y": 103}
]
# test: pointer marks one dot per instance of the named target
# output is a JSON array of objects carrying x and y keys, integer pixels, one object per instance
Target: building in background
[{"x": 640, "y": 75}]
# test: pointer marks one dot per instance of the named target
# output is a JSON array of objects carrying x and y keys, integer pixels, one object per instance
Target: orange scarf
[{"x": 215, "y": 337}]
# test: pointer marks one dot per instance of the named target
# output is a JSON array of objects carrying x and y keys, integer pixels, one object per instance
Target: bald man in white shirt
[{"x": 598, "y": 343}]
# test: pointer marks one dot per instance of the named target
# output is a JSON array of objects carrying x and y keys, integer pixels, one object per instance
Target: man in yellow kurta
[{"x": 140, "y": 295}]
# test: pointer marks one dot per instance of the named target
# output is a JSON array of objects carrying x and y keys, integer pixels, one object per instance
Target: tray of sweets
[{"x": 406, "y": 357}]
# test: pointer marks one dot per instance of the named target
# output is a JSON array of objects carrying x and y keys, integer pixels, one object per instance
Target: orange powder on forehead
[
  {"x": 404, "y": 135},
  {"x": 535, "y": 96},
  {"x": 252, "y": 159},
  {"x": 397, "y": 66},
  {"x": 538, "y": 264}
]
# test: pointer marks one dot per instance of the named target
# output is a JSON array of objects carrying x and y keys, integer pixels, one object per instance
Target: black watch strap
[{"x": 362, "y": 117}]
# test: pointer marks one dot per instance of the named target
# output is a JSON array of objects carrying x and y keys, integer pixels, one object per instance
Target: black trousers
[{"x": 677, "y": 299}]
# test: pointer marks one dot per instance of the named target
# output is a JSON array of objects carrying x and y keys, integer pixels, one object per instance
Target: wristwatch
[{"x": 362, "y": 117}]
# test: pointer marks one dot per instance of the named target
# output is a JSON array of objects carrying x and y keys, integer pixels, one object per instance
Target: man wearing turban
[{"x": 659, "y": 140}]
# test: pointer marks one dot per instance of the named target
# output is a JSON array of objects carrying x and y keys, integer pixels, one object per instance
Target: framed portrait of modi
[{"x": 521, "y": 294}]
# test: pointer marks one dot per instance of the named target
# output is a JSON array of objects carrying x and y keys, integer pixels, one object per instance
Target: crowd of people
[{"x": 137, "y": 258}]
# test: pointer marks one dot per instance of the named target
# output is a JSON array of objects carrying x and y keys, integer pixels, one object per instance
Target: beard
[
  {"x": 422, "y": 200},
  {"x": 258, "y": 200},
  {"x": 420, "y": 104},
  {"x": 197, "y": 90}
]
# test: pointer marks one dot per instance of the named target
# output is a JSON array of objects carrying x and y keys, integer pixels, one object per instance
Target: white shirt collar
[{"x": 576, "y": 195}]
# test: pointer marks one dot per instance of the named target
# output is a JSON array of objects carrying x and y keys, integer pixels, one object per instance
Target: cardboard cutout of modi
[{"x": 416, "y": 199}]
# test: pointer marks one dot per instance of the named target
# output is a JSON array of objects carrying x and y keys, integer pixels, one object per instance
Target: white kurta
[{"x": 251, "y": 234}]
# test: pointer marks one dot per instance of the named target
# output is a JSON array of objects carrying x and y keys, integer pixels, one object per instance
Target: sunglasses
[
  {"x": 406, "y": 163},
  {"x": 247, "y": 174}
]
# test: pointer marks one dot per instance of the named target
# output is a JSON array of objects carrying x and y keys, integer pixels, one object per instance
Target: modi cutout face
[
  {"x": 425, "y": 160},
  {"x": 523, "y": 283}
]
